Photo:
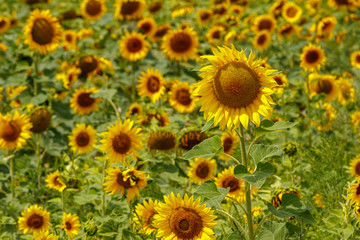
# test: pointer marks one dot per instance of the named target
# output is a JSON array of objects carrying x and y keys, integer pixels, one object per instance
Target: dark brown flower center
[
  {"x": 204, "y": 16},
  {"x": 2, "y": 23},
  {"x": 358, "y": 58},
  {"x": 155, "y": 7},
  {"x": 358, "y": 190},
  {"x": 202, "y": 170},
  {"x": 135, "y": 110},
  {"x": 42, "y": 32},
  {"x": 312, "y": 56},
  {"x": 68, "y": 226},
  {"x": 324, "y": 86},
  {"x": 161, "y": 141},
  {"x": 180, "y": 42},
  {"x": 146, "y": 27},
  {"x": 232, "y": 183},
  {"x": 35, "y": 221},
  {"x": 87, "y": 65},
  {"x": 68, "y": 38},
  {"x": 183, "y": 97},
  {"x": 342, "y": 2},
  {"x": 216, "y": 34},
  {"x": 287, "y": 30},
  {"x": 56, "y": 181},
  {"x": 291, "y": 12},
  {"x": 134, "y": 45},
  {"x": 11, "y": 131},
  {"x": 161, "y": 31},
  {"x": 262, "y": 39},
  {"x": 227, "y": 144},
  {"x": 120, "y": 181},
  {"x": 185, "y": 223},
  {"x": 153, "y": 84},
  {"x": 190, "y": 139},
  {"x": 265, "y": 24},
  {"x": 82, "y": 139},
  {"x": 84, "y": 100},
  {"x": 128, "y": 8},
  {"x": 93, "y": 7},
  {"x": 121, "y": 143},
  {"x": 278, "y": 80},
  {"x": 357, "y": 168}
]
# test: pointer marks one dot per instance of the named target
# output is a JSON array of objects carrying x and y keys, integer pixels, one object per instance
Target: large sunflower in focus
[
  {"x": 151, "y": 84},
  {"x": 234, "y": 89},
  {"x": 121, "y": 140},
  {"x": 34, "y": 219},
  {"x": 180, "y": 218},
  {"x": 93, "y": 9},
  {"x": 312, "y": 58},
  {"x": 181, "y": 45},
  {"x": 42, "y": 32},
  {"x": 129, "y": 9},
  {"x": 14, "y": 130},
  {"x": 133, "y": 46}
]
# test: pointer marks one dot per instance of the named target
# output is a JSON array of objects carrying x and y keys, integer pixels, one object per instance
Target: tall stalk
[
  {"x": 103, "y": 207},
  {"x": 12, "y": 177},
  {"x": 38, "y": 140}
]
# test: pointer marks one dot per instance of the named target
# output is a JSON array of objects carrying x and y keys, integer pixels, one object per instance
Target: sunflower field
[{"x": 179, "y": 119}]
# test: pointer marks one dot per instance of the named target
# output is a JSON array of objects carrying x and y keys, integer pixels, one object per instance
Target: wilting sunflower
[
  {"x": 151, "y": 84},
  {"x": 180, "y": 218},
  {"x": 45, "y": 235},
  {"x": 4, "y": 24},
  {"x": 181, "y": 45},
  {"x": 354, "y": 192},
  {"x": 227, "y": 179},
  {"x": 133, "y": 46},
  {"x": 282, "y": 82},
  {"x": 83, "y": 139},
  {"x": 229, "y": 140},
  {"x": 326, "y": 27},
  {"x": 161, "y": 140},
  {"x": 144, "y": 216},
  {"x": 121, "y": 140},
  {"x": 34, "y": 219},
  {"x": 148, "y": 26},
  {"x": 191, "y": 138},
  {"x": 214, "y": 34},
  {"x": 129, "y": 9},
  {"x": 14, "y": 130},
  {"x": 324, "y": 84},
  {"x": 181, "y": 97},
  {"x": 234, "y": 89},
  {"x": 134, "y": 108},
  {"x": 70, "y": 223},
  {"x": 69, "y": 39},
  {"x": 355, "y": 166},
  {"x": 286, "y": 30},
  {"x": 201, "y": 170},
  {"x": 277, "y": 196},
  {"x": 40, "y": 119},
  {"x": 55, "y": 181},
  {"x": 355, "y": 119},
  {"x": 355, "y": 59},
  {"x": 93, "y": 9},
  {"x": 262, "y": 40},
  {"x": 264, "y": 22},
  {"x": 160, "y": 32},
  {"x": 130, "y": 180},
  {"x": 291, "y": 12},
  {"x": 83, "y": 103},
  {"x": 204, "y": 16},
  {"x": 70, "y": 77},
  {"x": 312, "y": 58},
  {"x": 42, "y": 31}
]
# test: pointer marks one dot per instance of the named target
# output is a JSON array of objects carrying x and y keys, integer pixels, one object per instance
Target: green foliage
[{"x": 258, "y": 178}]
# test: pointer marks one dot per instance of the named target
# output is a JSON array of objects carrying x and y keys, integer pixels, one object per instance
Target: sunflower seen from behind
[
  {"x": 133, "y": 46},
  {"x": 151, "y": 84},
  {"x": 312, "y": 58},
  {"x": 42, "y": 31},
  {"x": 184, "y": 218},
  {"x": 82, "y": 103},
  {"x": 201, "y": 170},
  {"x": 144, "y": 216},
  {"x": 83, "y": 139},
  {"x": 93, "y": 9},
  {"x": 55, "y": 181},
  {"x": 34, "y": 219},
  {"x": 234, "y": 88},
  {"x": 181, "y": 97},
  {"x": 70, "y": 223}
]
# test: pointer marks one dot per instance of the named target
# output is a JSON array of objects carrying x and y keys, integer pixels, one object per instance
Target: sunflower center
[
  {"x": 161, "y": 141},
  {"x": 232, "y": 183},
  {"x": 11, "y": 131},
  {"x": 68, "y": 226},
  {"x": 357, "y": 169},
  {"x": 134, "y": 45},
  {"x": 87, "y": 65},
  {"x": 150, "y": 219},
  {"x": 82, "y": 139},
  {"x": 153, "y": 84},
  {"x": 324, "y": 86},
  {"x": 190, "y": 139},
  {"x": 146, "y": 27},
  {"x": 186, "y": 223},
  {"x": 42, "y": 32},
  {"x": 228, "y": 142},
  {"x": 287, "y": 30},
  {"x": 326, "y": 27},
  {"x": 35, "y": 221},
  {"x": 2, "y": 23},
  {"x": 135, "y": 110},
  {"x": 261, "y": 40},
  {"x": 180, "y": 42},
  {"x": 161, "y": 32},
  {"x": 183, "y": 96},
  {"x": 204, "y": 16},
  {"x": 216, "y": 34},
  {"x": 56, "y": 181},
  {"x": 358, "y": 58},
  {"x": 84, "y": 100},
  {"x": 202, "y": 171},
  {"x": 120, "y": 181},
  {"x": 291, "y": 12},
  {"x": 236, "y": 85},
  {"x": 121, "y": 143},
  {"x": 312, "y": 56},
  {"x": 278, "y": 80},
  {"x": 155, "y": 6},
  {"x": 265, "y": 24},
  {"x": 93, "y": 7},
  {"x": 342, "y": 2},
  {"x": 68, "y": 38},
  {"x": 129, "y": 8}
]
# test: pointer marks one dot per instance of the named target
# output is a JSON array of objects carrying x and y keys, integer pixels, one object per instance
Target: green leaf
[
  {"x": 207, "y": 149},
  {"x": 105, "y": 94},
  {"x": 38, "y": 99},
  {"x": 208, "y": 125},
  {"x": 260, "y": 152},
  {"x": 211, "y": 194},
  {"x": 267, "y": 126},
  {"x": 258, "y": 178},
  {"x": 274, "y": 231}
]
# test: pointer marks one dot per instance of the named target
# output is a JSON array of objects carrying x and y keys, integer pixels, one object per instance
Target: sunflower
[
  {"x": 355, "y": 59},
  {"x": 69, "y": 39},
  {"x": 87, "y": 65},
  {"x": 355, "y": 119},
  {"x": 201, "y": 170},
  {"x": 220, "y": 10},
  {"x": 161, "y": 118},
  {"x": 40, "y": 119},
  {"x": 181, "y": 98},
  {"x": 134, "y": 108},
  {"x": 312, "y": 58},
  {"x": 324, "y": 84},
  {"x": 326, "y": 26},
  {"x": 55, "y": 181},
  {"x": 71, "y": 224},
  {"x": 12, "y": 92},
  {"x": 181, "y": 45},
  {"x": 264, "y": 22},
  {"x": 347, "y": 91},
  {"x": 129, "y": 9},
  {"x": 83, "y": 139},
  {"x": 354, "y": 192},
  {"x": 229, "y": 140},
  {"x": 151, "y": 84},
  {"x": 355, "y": 166},
  {"x": 42, "y": 32},
  {"x": 262, "y": 40},
  {"x": 276, "y": 8},
  {"x": 148, "y": 26},
  {"x": 133, "y": 46},
  {"x": 286, "y": 30},
  {"x": 182, "y": 11},
  {"x": 121, "y": 140},
  {"x": 83, "y": 103},
  {"x": 282, "y": 82},
  {"x": 291, "y": 12},
  {"x": 155, "y": 7},
  {"x": 144, "y": 216},
  {"x": 14, "y": 130},
  {"x": 3, "y": 48},
  {"x": 180, "y": 218},
  {"x": 161, "y": 140},
  {"x": 34, "y": 219},
  {"x": 234, "y": 89},
  {"x": 69, "y": 77},
  {"x": 4, "y": 24},
  {"x": 191, "y": 138},
  {"x": 317, "y": 199},
  {"x": 204, "y": 16},
  {"x": 45, "y": 235},
  {"x": 277, "y": 196},
  {"x": 130, "y": 180},
  {"x": 93, "y": 9},
  {"x": 347, "y": 5},
  {"x": 84, "y": 33},
  {"x": 160, "y": 32},
  {"x": 227, "y": 179},
  {"x": 214, "y": 34}
]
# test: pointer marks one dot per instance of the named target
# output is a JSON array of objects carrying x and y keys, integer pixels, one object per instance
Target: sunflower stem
[
  {"x": 37, "y": 150},
  {"x": 260, "y": 223},
  {"x": 247, "y": 185},
  {"x": 115, "y": 109},
  {"x": 133, "y": 89},
  {"x": 36, "y": 71},
  {"x": 237, "y": 161},
  {"x": 63, "y": 200},
  {"x": 131, "y": 219},
  {"x": 235, "y": 221},
  {"x": 103, "y": 207},
  {"x": 12, "y": 177},
  {"x": 309, "y": 110}
]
